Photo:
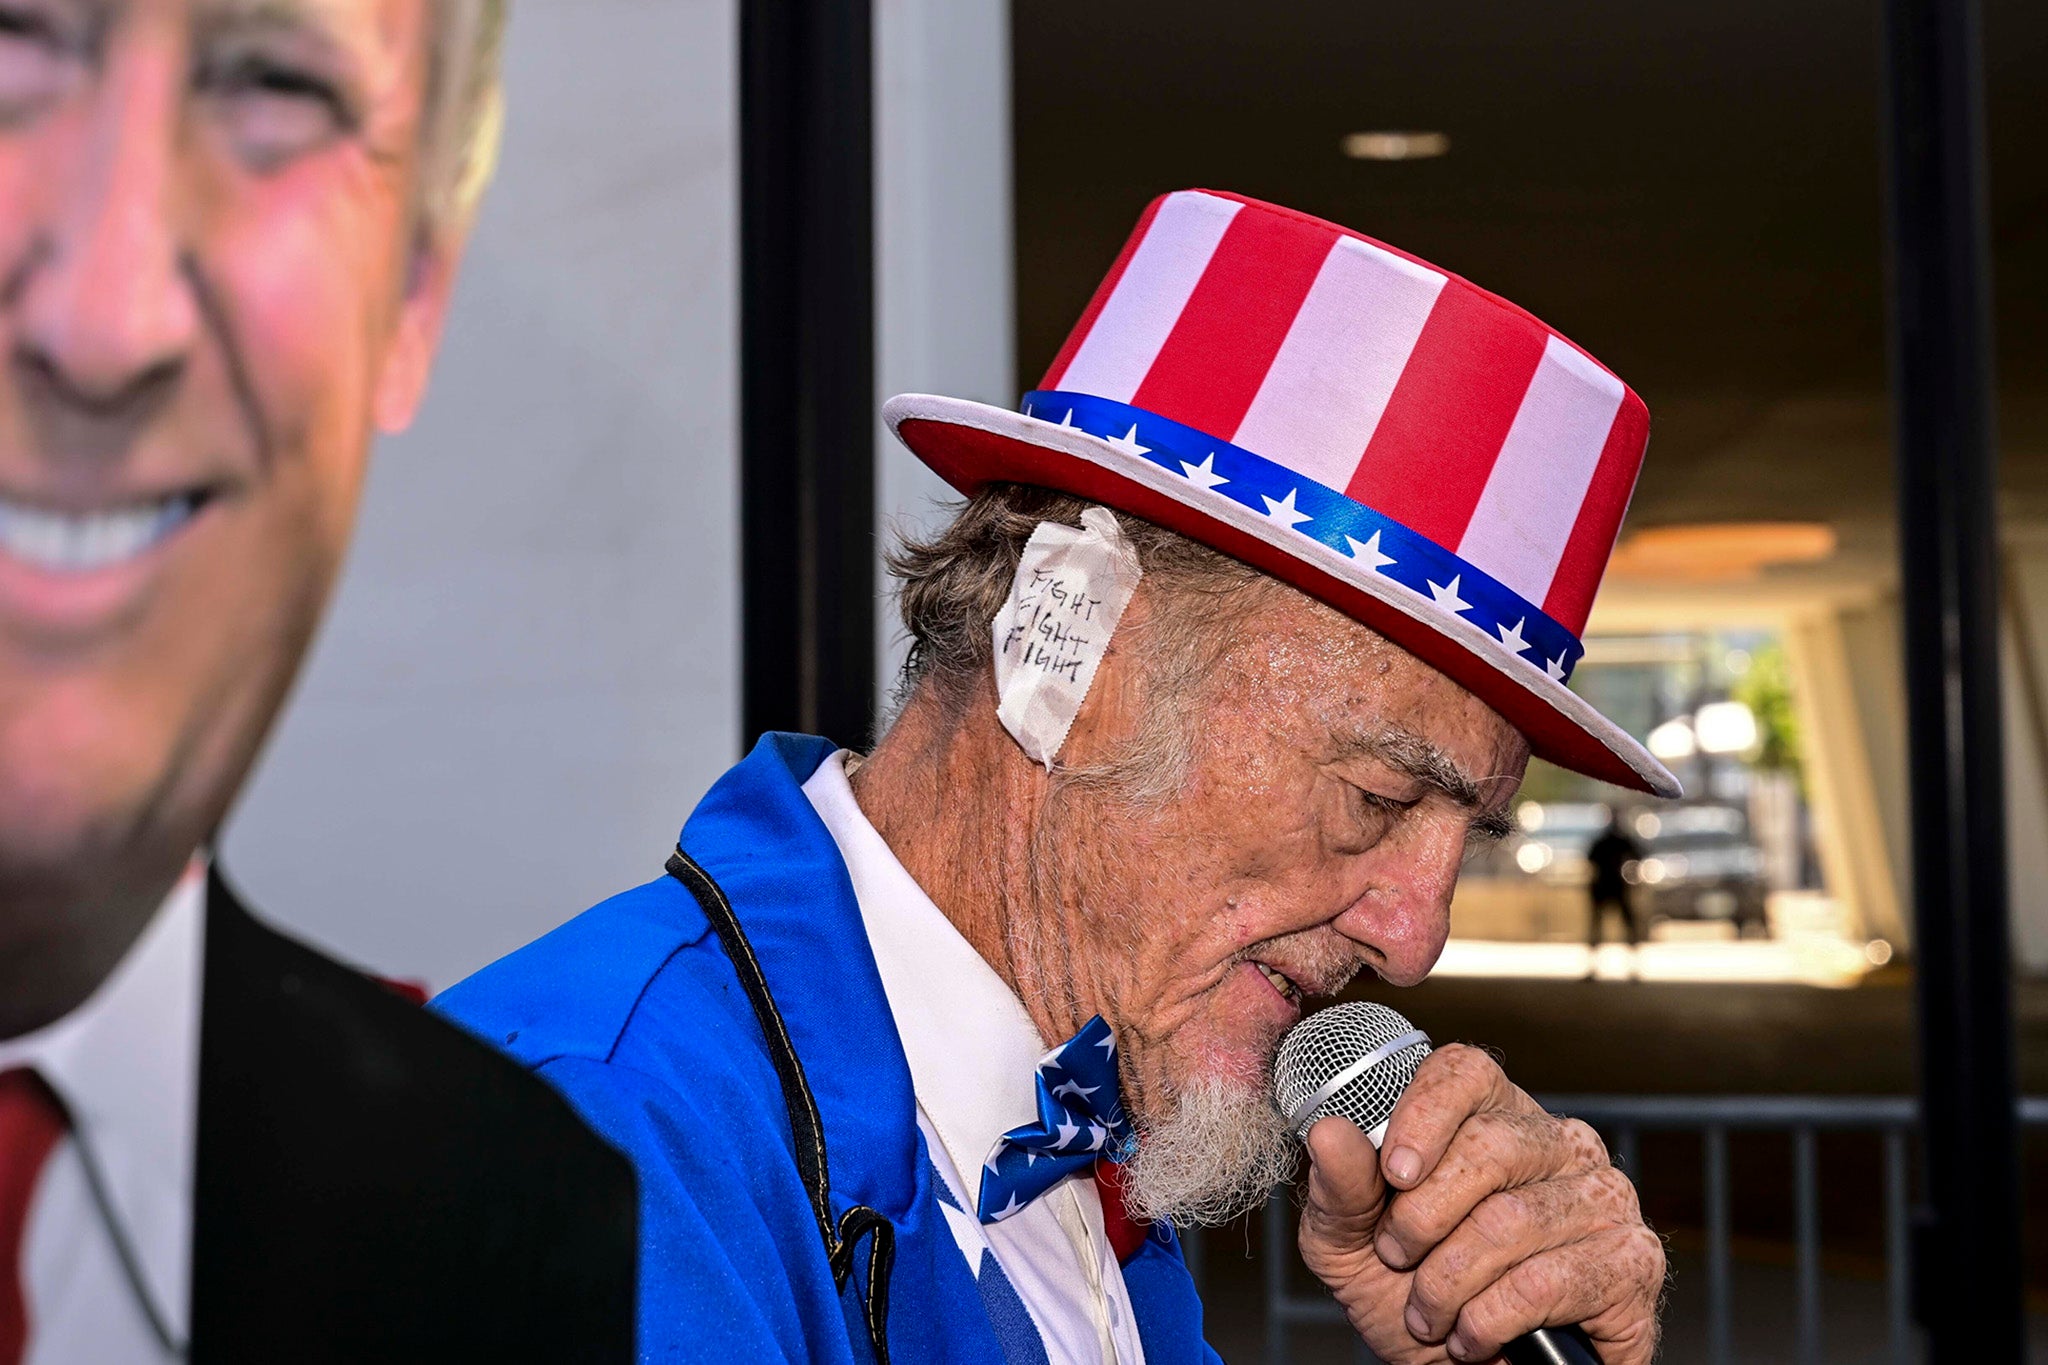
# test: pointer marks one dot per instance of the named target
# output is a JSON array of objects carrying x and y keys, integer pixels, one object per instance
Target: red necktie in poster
[{"x": 31, "y": 1122}]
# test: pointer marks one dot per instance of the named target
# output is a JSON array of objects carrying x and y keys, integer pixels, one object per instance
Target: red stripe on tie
[
  {"x": 1430, "y": 456},
  {"x": 1218, "y": 353},
  {"x": 1058, "y": 369},
  {"x": 31, "y": 1122},
  {"x": 1599, "y": 521}
]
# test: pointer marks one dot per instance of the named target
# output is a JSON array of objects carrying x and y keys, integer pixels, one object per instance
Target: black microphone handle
[{"x": 1551, "y": 1346}]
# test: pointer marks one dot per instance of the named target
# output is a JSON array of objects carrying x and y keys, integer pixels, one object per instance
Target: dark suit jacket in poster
[{"x": 375, "y": 1185}]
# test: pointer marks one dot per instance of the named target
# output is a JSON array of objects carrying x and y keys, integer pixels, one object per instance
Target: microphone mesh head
[{"x": 1323, "y": 1046}]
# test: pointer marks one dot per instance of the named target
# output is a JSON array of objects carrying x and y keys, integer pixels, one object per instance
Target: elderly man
[
  {"x": 1250, "y": 624},
  {"x": 228, "y": 232}
]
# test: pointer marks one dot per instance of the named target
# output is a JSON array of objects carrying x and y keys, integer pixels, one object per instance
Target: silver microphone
[{"x": 1353, "y": 1060}]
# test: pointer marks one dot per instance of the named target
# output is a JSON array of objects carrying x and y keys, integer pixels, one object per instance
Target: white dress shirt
[
  {"x": 973, "y": 1053},
  {"x": 108, "y": 1255}
]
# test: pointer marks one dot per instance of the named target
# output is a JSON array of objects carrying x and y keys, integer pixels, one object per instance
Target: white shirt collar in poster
[
  {"x": 109, "y": 1237},
  {"x": 973, "y": 1052}
]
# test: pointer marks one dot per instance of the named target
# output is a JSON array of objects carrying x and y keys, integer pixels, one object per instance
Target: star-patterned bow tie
[{"x": 1080, "y": 1118}]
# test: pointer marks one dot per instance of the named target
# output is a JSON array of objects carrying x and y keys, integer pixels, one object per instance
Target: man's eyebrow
[
  {"x": 320, "y": 18},
  {"x": 259, "y": 12},
  {"x": 1419, "y": 759}
]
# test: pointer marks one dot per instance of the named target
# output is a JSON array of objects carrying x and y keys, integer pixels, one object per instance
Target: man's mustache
[{"x": 1320, "y": 962}]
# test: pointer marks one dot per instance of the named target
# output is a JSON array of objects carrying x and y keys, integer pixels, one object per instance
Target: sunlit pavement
[
  {"x": 1507, "y": 929},
  {"x": 1813, "y": 961}
]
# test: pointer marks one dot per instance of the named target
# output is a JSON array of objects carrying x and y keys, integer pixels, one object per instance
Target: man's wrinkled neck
[{"x": 957, "y": 802}]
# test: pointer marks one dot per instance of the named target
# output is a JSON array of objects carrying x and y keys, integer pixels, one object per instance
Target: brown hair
[{"x": 950, "y": 585}]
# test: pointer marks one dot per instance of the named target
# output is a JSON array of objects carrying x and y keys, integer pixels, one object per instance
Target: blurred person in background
[
  {"x": 1610, "y": 857},
  {"x": 228, "y": 234},
  {"x": 1247, "y": 630}
]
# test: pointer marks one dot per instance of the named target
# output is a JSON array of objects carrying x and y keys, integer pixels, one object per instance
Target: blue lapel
[
  {"x": 1164, "y": 1301},
  {"x": 758, "y": 836}
]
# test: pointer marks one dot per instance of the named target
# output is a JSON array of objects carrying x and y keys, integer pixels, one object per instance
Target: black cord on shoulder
[{"x": 806, "y": 1128}]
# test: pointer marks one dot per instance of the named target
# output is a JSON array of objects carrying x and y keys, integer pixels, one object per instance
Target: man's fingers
[
  {"x": 1506, "y": 1229},
  {"x": 1453, "y": 1083},
  {"x": 1512, "y": 1219},
  {"x": 1609, "y": 1284},
  {"x": 1492, "y": 1151},
  {"x": 1345, "y": 1194}
]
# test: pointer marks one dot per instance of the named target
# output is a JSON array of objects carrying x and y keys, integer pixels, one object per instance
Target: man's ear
[{"x": 430, "y": 283}]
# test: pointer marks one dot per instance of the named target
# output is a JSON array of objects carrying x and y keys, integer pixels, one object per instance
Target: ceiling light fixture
[
  {"x": 1390, "y": 146},
  {"x": 1728, "y": 551}
]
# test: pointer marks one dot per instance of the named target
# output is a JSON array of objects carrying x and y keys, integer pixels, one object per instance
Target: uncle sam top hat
[{"x": 1389, "y": 438}]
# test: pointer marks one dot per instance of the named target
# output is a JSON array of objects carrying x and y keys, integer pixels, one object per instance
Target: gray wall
[
  {"x": 530, "y": 672},
  {"x": 943, "y": 240}
]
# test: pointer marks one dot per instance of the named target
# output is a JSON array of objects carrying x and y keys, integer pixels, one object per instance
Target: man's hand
[{"x": 1481, "y": 1218}]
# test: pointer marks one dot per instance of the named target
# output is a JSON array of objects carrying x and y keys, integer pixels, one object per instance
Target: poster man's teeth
[{"x": 64, "y": 542}]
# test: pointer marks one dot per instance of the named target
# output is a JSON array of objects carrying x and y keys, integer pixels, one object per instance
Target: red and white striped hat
[{"x": 1420, "y": 454}]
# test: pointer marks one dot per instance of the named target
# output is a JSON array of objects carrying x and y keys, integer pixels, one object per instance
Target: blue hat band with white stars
[{"x": 1316, "y": 512}]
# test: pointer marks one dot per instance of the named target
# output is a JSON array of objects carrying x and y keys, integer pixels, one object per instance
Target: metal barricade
[{"x": 1623, "y": 1119}]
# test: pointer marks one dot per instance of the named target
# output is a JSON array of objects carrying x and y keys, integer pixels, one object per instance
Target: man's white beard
[
  {"x": 1217, "y": 1155},
  {"x": 1224, "y": 1145}
]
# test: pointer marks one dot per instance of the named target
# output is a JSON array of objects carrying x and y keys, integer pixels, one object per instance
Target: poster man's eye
[{"x": 274, "y": 111}]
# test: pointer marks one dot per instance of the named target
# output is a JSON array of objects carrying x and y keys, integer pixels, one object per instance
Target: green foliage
[{"x": 1766, "y": 689}]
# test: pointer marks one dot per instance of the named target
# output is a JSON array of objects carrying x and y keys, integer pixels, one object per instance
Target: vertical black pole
[
  {"x": 807, "y": 593},
  {"x": 1968, "y": 1258}
]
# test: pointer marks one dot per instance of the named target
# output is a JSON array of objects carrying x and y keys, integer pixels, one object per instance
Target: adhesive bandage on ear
[{"x": 1071, "y": 589}]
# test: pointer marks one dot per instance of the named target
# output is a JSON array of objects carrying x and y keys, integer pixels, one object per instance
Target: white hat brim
[{"x": 973, "y": 444}]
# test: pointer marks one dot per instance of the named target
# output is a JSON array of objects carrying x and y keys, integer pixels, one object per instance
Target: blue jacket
[{"x": 632, "y": 1010}]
